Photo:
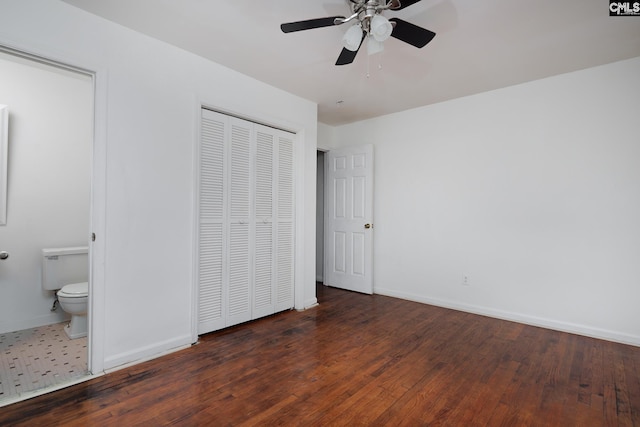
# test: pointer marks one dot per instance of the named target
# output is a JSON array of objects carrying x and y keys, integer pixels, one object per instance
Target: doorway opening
[
  {"x": 49, "y": 185},
  {"x": 348, "y": 218}
]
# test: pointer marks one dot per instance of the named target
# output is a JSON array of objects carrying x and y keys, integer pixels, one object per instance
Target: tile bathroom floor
[{"x": 38, "y": 358}]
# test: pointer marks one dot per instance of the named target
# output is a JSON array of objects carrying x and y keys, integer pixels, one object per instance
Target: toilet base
[{"x": 77, "y": 327}]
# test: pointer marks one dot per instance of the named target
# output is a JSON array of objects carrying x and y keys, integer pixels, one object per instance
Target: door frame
[
  {"x": 96, "y": 315},
  {"x": 320, "y": 214},
  {"x": 299, "y": 153}
]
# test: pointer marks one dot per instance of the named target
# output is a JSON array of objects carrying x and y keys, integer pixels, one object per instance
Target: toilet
[
  {"x": 73, "y": 300},
  {"x": 66, "y": 271}
]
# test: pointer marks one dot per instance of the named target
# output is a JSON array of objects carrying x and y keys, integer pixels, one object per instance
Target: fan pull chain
[{"x": 369, "y": 63}]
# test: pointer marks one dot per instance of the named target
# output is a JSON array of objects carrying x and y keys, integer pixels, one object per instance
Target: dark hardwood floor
[{"x": 362, "y": 360}]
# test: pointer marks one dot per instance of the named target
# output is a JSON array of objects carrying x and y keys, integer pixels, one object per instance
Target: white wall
[
  {"x": 533, "y": 191},
  {"x": 326, "y": 136},
  {"x": 148, "y": 98},
  {"x": 50, "y": 125}
]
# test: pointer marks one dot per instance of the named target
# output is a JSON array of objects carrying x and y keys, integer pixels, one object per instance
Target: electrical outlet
[{"x": 465, "y": 280}]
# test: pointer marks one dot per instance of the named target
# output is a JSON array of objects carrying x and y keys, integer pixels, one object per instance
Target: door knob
[
  {"x": 367, "y": 226},
  {"x": 4, "y": 255}
]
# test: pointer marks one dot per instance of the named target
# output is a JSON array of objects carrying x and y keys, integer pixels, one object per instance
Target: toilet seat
[{"x": 74, "y": 290}]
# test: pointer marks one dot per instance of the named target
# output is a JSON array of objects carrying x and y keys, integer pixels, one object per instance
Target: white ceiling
[{"x": 479, "y": 46}]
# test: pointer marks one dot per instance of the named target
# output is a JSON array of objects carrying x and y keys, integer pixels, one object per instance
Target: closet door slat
[
  {"x": 238, "y": 306},
  {"x": 240, "y": 219},
  {"x": 284, "y": 249},
  {"x": 211, "y": 307},
  {"x": 240, "y": 172},
  {"x": 264, "y": 176},
  {"x": 263, "y": 304},
  {"x": 263, "y": 301}
]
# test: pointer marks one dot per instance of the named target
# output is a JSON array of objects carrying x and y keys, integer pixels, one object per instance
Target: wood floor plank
[
  {"x": 362, "y": 360},
  {"x": 632, "y": 376}
]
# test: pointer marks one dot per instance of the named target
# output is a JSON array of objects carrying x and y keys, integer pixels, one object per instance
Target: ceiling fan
[{"x": 369, "y": 24}]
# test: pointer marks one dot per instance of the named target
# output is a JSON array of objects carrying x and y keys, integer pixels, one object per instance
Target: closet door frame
[{"x": 296, "y": 227}]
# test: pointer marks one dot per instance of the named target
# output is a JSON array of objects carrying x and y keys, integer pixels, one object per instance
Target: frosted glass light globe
[
  {"x": 381, "y": 28},
  {"x": 352, "y": 38}
]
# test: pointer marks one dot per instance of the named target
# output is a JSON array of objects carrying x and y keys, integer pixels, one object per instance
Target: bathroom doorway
[{"x": 48, "y": 206}]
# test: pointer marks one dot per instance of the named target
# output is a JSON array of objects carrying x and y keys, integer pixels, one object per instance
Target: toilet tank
[{"x": 62, "y": 266}]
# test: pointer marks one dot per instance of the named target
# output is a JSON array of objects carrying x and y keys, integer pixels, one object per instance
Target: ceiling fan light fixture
[
  {"x": 380, "y": 28},
  {"x": 367, "y": 21},
  {"x": 352, "y": 38}
]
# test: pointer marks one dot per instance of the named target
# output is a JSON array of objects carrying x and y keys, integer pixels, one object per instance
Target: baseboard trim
[
  {"x": 573, "y": 328},
  {"x": 143, "y": 354},
  {"x": 312, "y": 302},
  {"x": 49, "y": 319}
]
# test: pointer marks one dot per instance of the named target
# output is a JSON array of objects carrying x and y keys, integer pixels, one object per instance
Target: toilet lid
[{"x": 75, "y": 290}]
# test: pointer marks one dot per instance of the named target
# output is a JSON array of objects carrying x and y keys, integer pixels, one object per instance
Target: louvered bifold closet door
[
  {"x": 263, "y": 298},
  {"x": 246, "y": 219},
  {"x": 240, "y": 221},
  {"x": 284, "y": 237},
  {"x": 211, "y": 219}
]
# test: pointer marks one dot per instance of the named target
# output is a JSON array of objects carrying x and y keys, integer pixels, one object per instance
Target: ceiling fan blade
[
  {"x": 347, "y": 56},
  {"x": 412, "y": 34},
  {"x": 309, "y": 24},
  {"x": 401, "y": 4}
]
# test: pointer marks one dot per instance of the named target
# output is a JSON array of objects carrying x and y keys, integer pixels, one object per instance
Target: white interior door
[{"x": 349, "y": 219}]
